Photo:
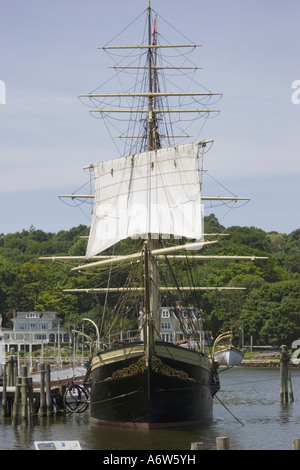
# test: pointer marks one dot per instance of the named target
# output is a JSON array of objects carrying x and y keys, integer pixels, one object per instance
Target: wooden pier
[{"x": 23, "y": 397}]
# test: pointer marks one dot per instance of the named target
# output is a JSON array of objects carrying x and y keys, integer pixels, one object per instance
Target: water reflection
[{"x": 249, "y": 412}]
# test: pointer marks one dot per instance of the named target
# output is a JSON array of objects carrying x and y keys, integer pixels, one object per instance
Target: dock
[{"x": 44, "y": 393}]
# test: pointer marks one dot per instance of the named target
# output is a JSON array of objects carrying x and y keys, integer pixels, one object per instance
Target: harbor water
[{"x": 247, "y": 410}]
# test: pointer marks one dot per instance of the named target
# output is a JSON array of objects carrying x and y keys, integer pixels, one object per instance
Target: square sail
[{"x": 146, "y": 195}]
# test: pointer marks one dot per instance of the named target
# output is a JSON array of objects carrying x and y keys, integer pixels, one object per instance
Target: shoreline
[
  {"x": 264, "y": 363},
  {"x": 260, "y": 363}
]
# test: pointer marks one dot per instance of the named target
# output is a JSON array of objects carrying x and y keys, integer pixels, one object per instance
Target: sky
[{"x": 48, "y": 56}]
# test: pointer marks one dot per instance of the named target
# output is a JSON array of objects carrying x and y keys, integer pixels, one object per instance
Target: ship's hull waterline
[{"x": 176, "y": 388}]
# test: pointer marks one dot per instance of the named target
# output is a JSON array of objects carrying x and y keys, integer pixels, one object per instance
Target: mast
[
  {"x": 151, "y": 274},
  {"x": 151, "y": 126}
]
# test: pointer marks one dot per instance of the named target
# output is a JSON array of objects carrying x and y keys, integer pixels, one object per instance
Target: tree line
[{"x": 268, "y": 309}]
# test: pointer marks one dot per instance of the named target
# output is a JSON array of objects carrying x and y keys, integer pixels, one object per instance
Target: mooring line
[{"x": 229, "y": 411}]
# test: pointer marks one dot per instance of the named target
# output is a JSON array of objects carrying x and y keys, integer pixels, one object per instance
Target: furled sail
[{"x": 150, "y": 193}]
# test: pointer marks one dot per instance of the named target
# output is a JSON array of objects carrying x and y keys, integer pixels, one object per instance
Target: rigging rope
[{"x": 229, "y": 411}]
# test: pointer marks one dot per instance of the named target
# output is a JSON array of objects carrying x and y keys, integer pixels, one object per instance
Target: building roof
[{"x": 43, "y": 315}]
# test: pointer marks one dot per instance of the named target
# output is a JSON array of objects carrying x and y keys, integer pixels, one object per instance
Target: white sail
[{"x": 150, "y": 193}]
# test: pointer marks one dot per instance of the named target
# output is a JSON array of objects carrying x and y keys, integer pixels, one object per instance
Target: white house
[
  {"x": 34, "y": 329},
  {"x": 178, "y": 324}
]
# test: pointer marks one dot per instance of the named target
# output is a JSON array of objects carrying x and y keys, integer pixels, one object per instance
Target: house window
[
  {"x": 32, "y": 315},
  {"x": 166, "y": 325},
  {"x": 40, "y": 337},
  {"x": 165, "y": 314},
  {"x": 167, "y": 337}
]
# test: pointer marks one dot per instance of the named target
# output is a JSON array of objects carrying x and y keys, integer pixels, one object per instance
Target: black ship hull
[{"x": 175, "y": 389}]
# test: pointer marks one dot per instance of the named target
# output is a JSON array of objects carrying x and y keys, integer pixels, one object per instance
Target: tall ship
[{"x": 149, "y": 201}]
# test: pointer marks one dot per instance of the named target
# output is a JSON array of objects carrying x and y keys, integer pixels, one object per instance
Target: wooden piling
[
  {"x": 42, "y": 408},
  {"x": 286, "y": 392},
  {"x": 49, "y": 403},
  {"x": 290, "y": 388},
  {"x": 21, "y": 399},
  {"x": 24, "y": 409},
  {"x": 282, "y": 381},
  {"x": 296, "y": 444},
  {"x": 222, "y": 443},
  {"x": 197, "y": 446},
  {"x": 4, "y": 395},
  {"x": 17, "y": 399},
  {"x": 9, "y": 371},
  {"x": 14, "y": 370},
  {"x": 30, "y": 397}
]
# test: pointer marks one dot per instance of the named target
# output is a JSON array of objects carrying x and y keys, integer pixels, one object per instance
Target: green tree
[{"x": 272, "y": 313}]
